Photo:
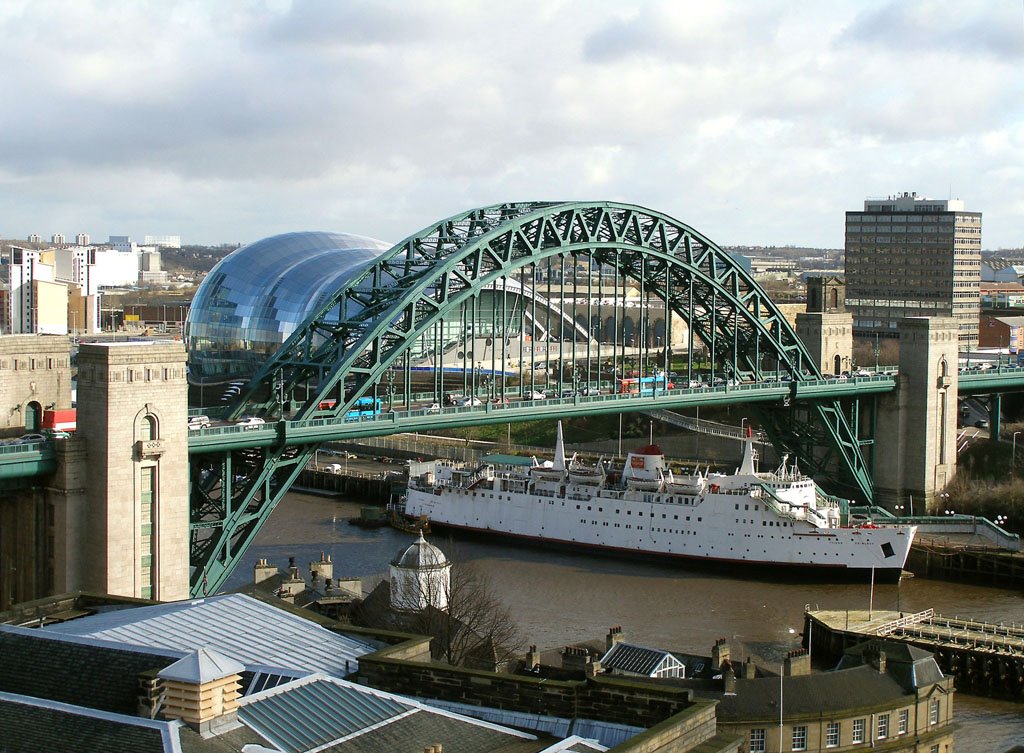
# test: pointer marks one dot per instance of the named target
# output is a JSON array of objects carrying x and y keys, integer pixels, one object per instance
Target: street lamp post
[
  {"x": 1013, "y": 454},
  {"x": 742, "y": 422}
]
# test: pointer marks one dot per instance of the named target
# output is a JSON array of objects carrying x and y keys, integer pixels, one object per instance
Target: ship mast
[{"x": 559, "y": 462}]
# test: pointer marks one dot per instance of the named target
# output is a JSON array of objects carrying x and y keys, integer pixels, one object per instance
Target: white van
[{"x": 198, "y": 422}]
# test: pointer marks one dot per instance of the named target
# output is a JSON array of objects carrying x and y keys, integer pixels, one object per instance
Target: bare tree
[
  {"x": 464, "y": 618},
  {"x": 475, "y": 622}
]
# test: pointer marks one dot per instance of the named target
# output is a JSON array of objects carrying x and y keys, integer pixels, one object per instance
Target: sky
[{"x": 756, "y": 122}]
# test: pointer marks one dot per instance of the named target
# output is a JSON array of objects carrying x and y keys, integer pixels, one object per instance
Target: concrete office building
[{"x": 907, "y": 256}]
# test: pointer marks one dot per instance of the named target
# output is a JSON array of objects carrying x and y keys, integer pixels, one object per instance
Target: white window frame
[
  {"x": 859, "y": 726},
  {"x": 799, "y": 737},
  {"x": 832, "y": 730},
  {"x": 882, "y": 728},
  {"x": 903, "y": 723},
  {"x": 933, "y": 711},
  {"x": 758, "y": 740}
]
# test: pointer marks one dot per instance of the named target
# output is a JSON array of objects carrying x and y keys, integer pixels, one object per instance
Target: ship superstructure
[{"x": 779, "y": 517}]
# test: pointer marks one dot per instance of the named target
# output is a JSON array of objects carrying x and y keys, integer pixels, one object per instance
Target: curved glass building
[{"x": 256, "y": 296}]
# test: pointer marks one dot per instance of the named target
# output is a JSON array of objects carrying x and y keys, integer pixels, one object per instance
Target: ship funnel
[{"x": 559, "y": 463}]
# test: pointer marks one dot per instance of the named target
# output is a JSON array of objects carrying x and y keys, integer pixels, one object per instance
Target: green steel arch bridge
[{"x": 380, "y": 356}]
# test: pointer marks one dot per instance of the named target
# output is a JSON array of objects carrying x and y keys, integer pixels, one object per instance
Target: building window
[
  {"x": 883, "y": 726},
  {"x": 832, "y": 735},
  {"x": 903, "y": 723},
  {"x": 149, "y": 430},
  {"x": 933, "y": 711},
  {"x": 858, "y": 730},
  {"x": 147, "y": 551},
  {"x": 758, "y": 740},
  {"x": 934, "y": 749},
  {"x": 800, "y": 738}
]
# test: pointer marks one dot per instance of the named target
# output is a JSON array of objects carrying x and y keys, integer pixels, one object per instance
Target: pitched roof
[
  {"x": 240, "y": 627},
  {"x": 30, "y": 724},
  {"x": 74, "y": 671},
  {"x": 640, "y": 660},
  {"x": 825, "y": 692},
  {"x": 201, "y": 666},
  {"x": 333, "y": 715}
]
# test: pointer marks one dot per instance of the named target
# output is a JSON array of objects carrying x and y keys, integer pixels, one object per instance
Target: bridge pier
[
  {"x": 995, "y": 412},
  {"x": 916, "y": 425}
]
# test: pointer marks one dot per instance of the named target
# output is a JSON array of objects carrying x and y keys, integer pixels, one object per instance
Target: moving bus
[
  {"x": 364, "y": 407},
  {"x": 643, "y": 385}
]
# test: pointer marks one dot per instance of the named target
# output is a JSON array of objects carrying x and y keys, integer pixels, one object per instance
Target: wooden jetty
[{"x": 985, "y": 658}]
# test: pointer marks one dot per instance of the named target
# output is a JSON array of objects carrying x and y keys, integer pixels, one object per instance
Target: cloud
[{"x": 760, "y": 122}]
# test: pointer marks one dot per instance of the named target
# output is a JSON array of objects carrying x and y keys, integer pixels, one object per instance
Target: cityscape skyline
[{"x": 756, "y": 125}]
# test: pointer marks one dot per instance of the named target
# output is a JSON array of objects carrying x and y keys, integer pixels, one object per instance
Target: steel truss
[{"x": 363, "y": 336}]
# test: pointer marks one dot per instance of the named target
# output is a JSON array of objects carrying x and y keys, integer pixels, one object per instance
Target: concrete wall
[
  {"x": 915, "y": 441},
  {"x": 121, "y": 388}
]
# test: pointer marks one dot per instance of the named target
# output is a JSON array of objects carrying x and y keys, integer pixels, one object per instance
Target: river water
[{"x": 559, "y": 597}]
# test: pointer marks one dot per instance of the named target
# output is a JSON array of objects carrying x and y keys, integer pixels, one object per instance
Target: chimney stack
[
  {"x": 719, "y": 653},
  {"x": 749, "y": 669},
  {"x": 798, "y": 663},
  {"x": 263, "y": 570},
  {"x": 615, "y": 635},
  {"x": 728, "y": 678},
  {"x": 533, "y": 658}
]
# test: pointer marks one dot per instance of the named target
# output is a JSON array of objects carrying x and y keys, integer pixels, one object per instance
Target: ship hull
[
  {"x": 726, "y": 530},
  {"x": 772, "y": 571}
]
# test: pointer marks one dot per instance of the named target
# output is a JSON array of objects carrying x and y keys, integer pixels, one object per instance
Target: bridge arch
[
  {"x": 367, "y": 326},
  {"x": 367, "y": 329}
]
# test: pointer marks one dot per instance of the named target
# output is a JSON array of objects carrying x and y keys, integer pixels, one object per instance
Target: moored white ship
[{"x": 748, "y": 517}]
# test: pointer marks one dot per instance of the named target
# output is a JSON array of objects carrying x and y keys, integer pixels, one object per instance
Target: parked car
[
  {"x": 198, "y": 422},
  {"x": 56, "y": 434},
  {"x": 250, "y": 422},
  {"x": 31, "y": 438}
]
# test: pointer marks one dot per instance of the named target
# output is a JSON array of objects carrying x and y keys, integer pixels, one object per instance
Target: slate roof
[
  {"x": 73, "y": 671},
  {"x": 627, "y": 657},
  {"x": 29, "y": 725},
  {"x": 238, "y": 626},
  {"x": 910, "y": 666},
  {"x": 825, "y": 693}
]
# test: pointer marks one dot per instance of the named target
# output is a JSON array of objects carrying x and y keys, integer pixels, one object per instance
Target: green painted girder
[
  {"x": 356, "y": 336},
  {"x": 1001, "y": 379},
  {"x": 291, "y": 433},
  {"x": 23, "y": 461}
]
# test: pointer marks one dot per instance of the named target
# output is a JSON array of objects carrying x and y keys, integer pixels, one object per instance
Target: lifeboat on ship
[
  {"x": 588, "y": 475},
  {"x": 645, "y": 469},
  {"x": 685, "y": 483}
]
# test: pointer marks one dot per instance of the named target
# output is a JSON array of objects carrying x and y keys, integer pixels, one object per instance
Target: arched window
[
  {"x": 149, "y": 427},
  {"x": 838, "y": 368}
]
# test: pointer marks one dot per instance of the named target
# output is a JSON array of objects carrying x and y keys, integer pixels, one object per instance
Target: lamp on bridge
[{"x": 1001, "y": 520}]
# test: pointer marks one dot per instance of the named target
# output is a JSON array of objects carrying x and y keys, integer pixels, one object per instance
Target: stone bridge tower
[{"x": 915, "y": 439}]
